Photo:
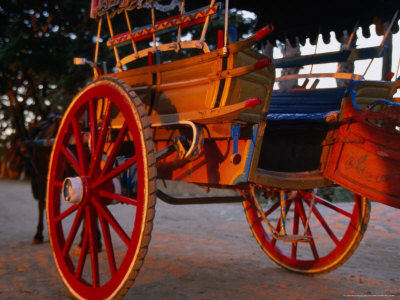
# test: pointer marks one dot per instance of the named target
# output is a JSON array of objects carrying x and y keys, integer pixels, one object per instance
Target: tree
[{"x": 38, "y": 40}]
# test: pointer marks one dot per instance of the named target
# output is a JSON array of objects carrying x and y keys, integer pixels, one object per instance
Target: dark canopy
[
  {"x": 305, "y": 19},
  {"x": 295, "y": 19}
]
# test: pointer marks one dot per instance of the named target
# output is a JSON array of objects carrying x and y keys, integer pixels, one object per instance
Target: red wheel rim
[
  {"x": 335, "y": 231},
  {"x": 88, "y": 147}
]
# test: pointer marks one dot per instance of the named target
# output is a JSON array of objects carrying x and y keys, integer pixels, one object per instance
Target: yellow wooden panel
[
  {"x": 368, "y": 92},
  {"x": 140, "y": 78},
  {"x": 183, "y": 99},
  {"x": 185, "y": 96},
  {"x": 195, "y": 71},
  {"x": 252, "y": 85}
]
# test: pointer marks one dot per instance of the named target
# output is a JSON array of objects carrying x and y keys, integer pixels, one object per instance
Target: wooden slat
[
  {"x": 295, "y": 180},
  {"x": 338, "y": 75},
  {"x": 220, "y": 114},
  {"x": 331, "y": 57},
  {"x": 195, "y": 44}
]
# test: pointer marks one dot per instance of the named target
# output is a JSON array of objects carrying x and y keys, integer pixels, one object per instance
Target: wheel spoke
[
  {"x": 83, "y": 254},
  {"x": 98, "y": 151},
  {"x": 304, "y": 221},
  {"x": 272, "y": 209},
  {"x": 115, "y": 149},
  {"x": 279, "y": 224},
  {"x": 73, "y": 230},
  {"x": 295, "y": 228},
  {"x": 324, "y": 224},
  {"x": 72, "y": 160},
  {"x": 114, "y": 172},
  {"x": 91, "y": 223},
  {"x": 93, "y": 127},
  {"x": 58, "y": 183},
  {"x": 104, "y": 212},
  {"x": 333, "y": 207},
  {"x": 80, "y": 145},
  {"x": 117, "y": 197},
  {"x": 109, "y": 247},
  {"x": 66, "y": 213}
]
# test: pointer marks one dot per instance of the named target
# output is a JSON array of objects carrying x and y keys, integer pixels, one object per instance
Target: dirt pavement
[{"x": 200, "y": 252}]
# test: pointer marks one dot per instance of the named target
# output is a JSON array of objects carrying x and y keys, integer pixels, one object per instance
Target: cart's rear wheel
[
  {"x": 336, "y": 230},
  {"x": 101, "y": 191}
]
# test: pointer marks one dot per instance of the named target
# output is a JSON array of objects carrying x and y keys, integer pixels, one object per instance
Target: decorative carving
[{"x": 101, "y": 7}]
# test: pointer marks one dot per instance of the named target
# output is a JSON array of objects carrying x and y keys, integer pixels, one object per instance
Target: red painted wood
[
  {"x": 220, "y": 41},
  {"x": 264, "y": 32},
  {"x": 262, "y": 63},
  {"x": 365, "y": 157},
  {"x": 213, "y": 167},
  {"x": 389, "y": 76},
  {"x": 251, "y": 102},
  {"x": 150, "y": 59}
]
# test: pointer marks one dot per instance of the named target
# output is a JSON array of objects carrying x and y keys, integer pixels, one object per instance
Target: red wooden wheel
[
  {"x": 101, "y": 191},
  {"x": 336, "y": 230}
]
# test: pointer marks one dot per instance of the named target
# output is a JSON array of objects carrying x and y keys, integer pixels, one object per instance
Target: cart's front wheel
[
  {"x": 101, "y": 191},
  {"x": 333, "y": 230}
]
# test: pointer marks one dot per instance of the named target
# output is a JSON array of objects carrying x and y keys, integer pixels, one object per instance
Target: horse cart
[{"x": 184, "y": 111}]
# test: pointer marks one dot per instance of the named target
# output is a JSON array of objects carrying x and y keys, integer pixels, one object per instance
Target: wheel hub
[{"x": 73, "y": 190}]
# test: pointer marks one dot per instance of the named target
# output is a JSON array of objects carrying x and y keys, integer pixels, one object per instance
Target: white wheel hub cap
[{"x": 72, "y": 190}]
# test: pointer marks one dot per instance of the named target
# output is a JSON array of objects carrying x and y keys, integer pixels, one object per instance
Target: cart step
[{"x": 294, "y": 238}]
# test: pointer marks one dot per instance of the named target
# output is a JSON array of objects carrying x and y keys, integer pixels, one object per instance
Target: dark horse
[{"x": 36, "y": 151}]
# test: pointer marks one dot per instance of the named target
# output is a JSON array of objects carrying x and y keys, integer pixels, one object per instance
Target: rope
[
  {"x": 282, "y": 199},
  {"x": 274, "y": 233}
]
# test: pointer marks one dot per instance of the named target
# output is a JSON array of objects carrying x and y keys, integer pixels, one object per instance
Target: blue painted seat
[{"x": 303, "y": 106}]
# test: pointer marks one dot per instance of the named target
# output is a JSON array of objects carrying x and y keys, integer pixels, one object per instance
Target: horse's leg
[{"x": 38, "y": 238}]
